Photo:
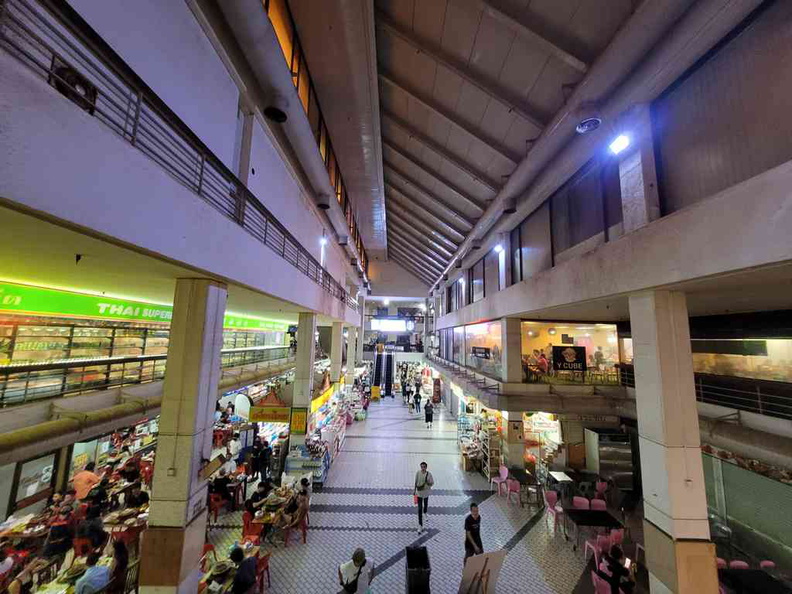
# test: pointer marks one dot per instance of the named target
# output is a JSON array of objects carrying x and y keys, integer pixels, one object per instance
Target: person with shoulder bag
[
  {"x": 424, "y": 481},
  {"x": 356, "y": 575}
]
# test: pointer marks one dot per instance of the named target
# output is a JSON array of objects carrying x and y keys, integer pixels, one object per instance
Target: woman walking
[
  {"x": 428, "y": 413},
  {"x": 423, "y": 484}
]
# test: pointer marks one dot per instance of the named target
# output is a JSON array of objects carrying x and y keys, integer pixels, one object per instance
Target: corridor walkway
[{"x": 367, "y": 502}]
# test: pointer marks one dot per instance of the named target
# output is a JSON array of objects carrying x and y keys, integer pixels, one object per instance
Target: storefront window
[
  {"x": 83, "y": 452},
  {"x": 477, "y": 281},
  {"x": 35, "y": 483},
  {"x": 766, "y": 359},
  {"x": 491, "y": 273},
  {"x": 459, "y": 345},
  {"x": 594, "y": 356},
  {"x": 484, "y": 348}
]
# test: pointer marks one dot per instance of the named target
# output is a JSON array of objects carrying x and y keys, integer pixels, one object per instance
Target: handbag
[
  {"x": 415, "y": 499},
  {"x": 353, "y": 585}
]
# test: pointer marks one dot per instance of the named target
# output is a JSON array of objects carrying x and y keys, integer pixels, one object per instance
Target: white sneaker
[{"x": 420, "y": 529}]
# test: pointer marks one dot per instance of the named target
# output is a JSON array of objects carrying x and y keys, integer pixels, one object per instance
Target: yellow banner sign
[
  {"x": 299, "y": 421},
  {"x": 270, "y": 414}
]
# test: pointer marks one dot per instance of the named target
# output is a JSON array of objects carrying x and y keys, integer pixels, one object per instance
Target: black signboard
[
  {"x": 480, "y": 352},
  {"x": 569, "y": 358}
]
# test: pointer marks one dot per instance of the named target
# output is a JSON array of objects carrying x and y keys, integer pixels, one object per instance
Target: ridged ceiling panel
[{"x": 466, "y": 86}]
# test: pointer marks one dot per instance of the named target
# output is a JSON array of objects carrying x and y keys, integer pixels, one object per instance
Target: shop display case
[{"x": 491, "y": 451}]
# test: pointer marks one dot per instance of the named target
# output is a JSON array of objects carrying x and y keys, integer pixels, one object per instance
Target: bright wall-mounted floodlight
[{"x": 621, "y": 142}]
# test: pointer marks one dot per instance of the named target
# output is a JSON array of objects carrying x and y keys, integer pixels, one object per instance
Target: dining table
[{"x": 588, "y": 518}]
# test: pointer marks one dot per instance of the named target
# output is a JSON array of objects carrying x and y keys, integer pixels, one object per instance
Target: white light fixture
[
  {"x": 323, "y": 241},
  {"x": 498, "y": 249},
  {"x": 422, "y": 306},
  {"x": 386, "y": 302},
  {"x": 461, "y": 281},
  {"x": 621, "y": 142}
]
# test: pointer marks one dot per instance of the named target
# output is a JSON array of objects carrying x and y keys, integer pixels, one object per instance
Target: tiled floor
[{"x": 367, "y": 502}]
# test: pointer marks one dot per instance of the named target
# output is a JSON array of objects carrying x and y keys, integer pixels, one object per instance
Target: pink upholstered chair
[
  {"x": 580, "y": 503},
  {"x": 739, "y": 565},
  {"x": 599, "y": 504},
  {"x": 600, "y": 585},
  {"x": 597, "y": 545},
  {"x": 512, "y": 488},
  {"x": 767, "y": 564},
  {"x": 721, "y": 563},
  {"x": 503, "y": 475},
  {"x": 552, "y": 507},
  {"x": 601, "y": 487}
]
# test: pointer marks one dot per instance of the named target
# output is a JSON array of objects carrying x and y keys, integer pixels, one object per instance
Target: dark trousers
[{"x": 423, "y": 507}]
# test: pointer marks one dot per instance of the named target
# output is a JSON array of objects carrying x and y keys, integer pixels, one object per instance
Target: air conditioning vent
[{"x": 73, "y": 85}]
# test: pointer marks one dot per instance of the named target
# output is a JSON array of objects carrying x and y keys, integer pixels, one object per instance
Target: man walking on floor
[
  {"x": 424, "y": 481},
  {"x": 473, "y": 544}
]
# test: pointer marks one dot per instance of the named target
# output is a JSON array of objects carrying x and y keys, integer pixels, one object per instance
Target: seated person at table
[
  {"x": 23, "y": 582},
  {"x": 84, "y": 480},
  {"x": 6, "y": 563},
  {"x": 613, "y": 571},
  {"x": 136, "y": 496},
  {"x": 98, "y": 495},
  {"x": 119, "y": 457},
  {"x": 61, "y": 533},
  {"x": 220, "y": 485},
  {"x": 92, "y": 528},
  {"x": 95, "y": 577},
  {"x": 256, "y": 501},
  {"x": 305, "y": 485},
  {"x": 245, "y": 578},
  {"x": 130, "y": 471},
  {"x": 118, "y": 568},
  {"x": 294, "y": 511}
]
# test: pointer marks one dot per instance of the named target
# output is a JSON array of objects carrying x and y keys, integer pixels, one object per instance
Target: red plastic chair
[
  {"x": 302, "y": 526},
  {"x": 601, "y": 487},
  {"x": 262, "y": 567},
  {"x": 599, "y": 504},
  {"x": 215, "y": 503},
  {"x": 82, "y": 546},
  {"x": 249, "y": 529},
  {"x": 739, "y": 565},
  {"x": 146, "y": 473},
  {"x": 617, "y": 536},
  {"x": 581, "y": 503},
  {"x": 208, "y": 551},
  {"x": 600, "y": 585},
  {"x": 767, "y": 564},
  {"x": 721, "y": 563}
]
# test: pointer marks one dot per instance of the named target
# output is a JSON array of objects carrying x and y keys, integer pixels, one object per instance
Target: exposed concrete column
[
  {"x": 680, "y": 556},
  {"x": 511, "y": 341},
  {"x": 352, "y": 338},
  {"x": 336, "y": 351},
  {"x": 177, "y": 522},
  {"x": 638, "y": 172},
  {"x": 304, "y": 366},
  {"x": 361, "y": 329}
]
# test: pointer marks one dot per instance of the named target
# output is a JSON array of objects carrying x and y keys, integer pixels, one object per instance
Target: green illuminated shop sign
[{"x": 24, "y": 299}]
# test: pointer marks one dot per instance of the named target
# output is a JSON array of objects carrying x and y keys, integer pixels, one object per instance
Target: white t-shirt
[
  {"x": 6, "y": 565},
  {"x": 349, "y": 570},
  {"x": 234, "y": 446}
]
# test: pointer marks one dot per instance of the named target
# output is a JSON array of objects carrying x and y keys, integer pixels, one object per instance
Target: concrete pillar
[
  {"x": 361, "y": 329},
  {"x": 680, "y": 556},
  {"x": 511, "y": 341},
  {"x": 304, "y": 366},
  {"x": 352, "y": 338},
  {"x": 638, "y": 172},
  {"x": 336, "y": 351},
  {"x": 177, "y": 520}
]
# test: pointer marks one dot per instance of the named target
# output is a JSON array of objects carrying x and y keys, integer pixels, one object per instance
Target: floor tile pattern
[{"x": 367, "y": 502}]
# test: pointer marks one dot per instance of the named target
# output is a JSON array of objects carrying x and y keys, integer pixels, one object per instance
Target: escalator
[
  {"x": 377, "y": 369},
  {"x": 389, "y": 374}
]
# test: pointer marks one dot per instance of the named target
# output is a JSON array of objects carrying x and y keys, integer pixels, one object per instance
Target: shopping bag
[{"x": 415, "y": 499}]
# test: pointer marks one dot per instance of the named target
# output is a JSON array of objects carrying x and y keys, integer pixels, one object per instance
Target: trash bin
[{"x": 418, "y": 571}]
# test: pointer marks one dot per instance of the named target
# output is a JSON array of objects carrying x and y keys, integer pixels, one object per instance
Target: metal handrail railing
[
  {"x": 36, "y": 381},
  {"x": 58, "y": 52}
]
